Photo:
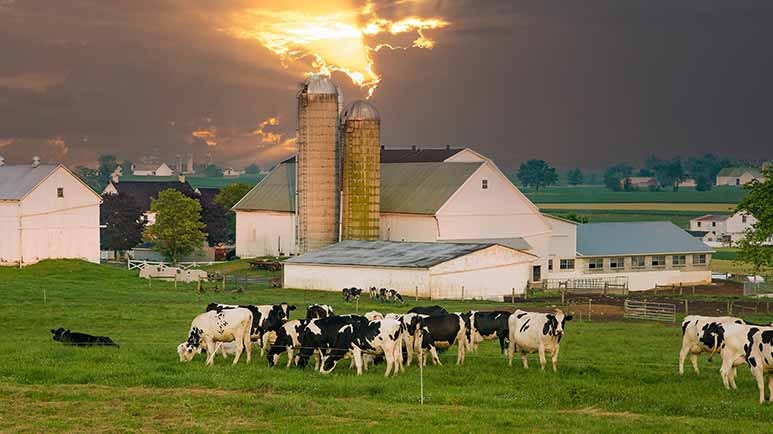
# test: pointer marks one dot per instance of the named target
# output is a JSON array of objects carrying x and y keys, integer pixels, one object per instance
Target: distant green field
[
  {"x": 200, "y": 181},
  {"x": 679, "y": 218},
  {"x": 600, "y": 194}
]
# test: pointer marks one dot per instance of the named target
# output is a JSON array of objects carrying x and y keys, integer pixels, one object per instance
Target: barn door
[{"x": 536, "y": 273}]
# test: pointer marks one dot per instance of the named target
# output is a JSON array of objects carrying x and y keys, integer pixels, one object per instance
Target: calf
[
  {"x": 440, "y": 331},
  {"x": 429, "y": 310},
  {"x": 214, "y": 326},
  {"x": 288, "y": 339},
  {"x": 487, "y": 325},
  {"x": 319, "y": 311},
  {"x": 68, "y": 337},
  {"x": 536, "y": 332},
  {"x": 759, "y": 356},
  {"x": 320, "y": 335},
  {"x": 693, "y": 341},
  {"x": 374, "y": 337}
]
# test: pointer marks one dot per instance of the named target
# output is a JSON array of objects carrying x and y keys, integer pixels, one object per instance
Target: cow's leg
[
  {"x": 389, "y": 356},
  {"x": 733, "y": 372},
  {"x": 554, "y": 358},
  {"x": 290, "y": 356},
  {"x": 510, "y": 351},
  {"x": 542, "y": 360},
  {"x": 435, "y": 358},
  {"x": 317, "y": 360},
  {"x": 683, "y": 355},
  {"x": 357, "y": 358},
  {"x": 724, "y": 371},
  {"x": 397, "y": 354},
  {"x": 460, "y": 343},
  {"x": 525, "y": 360},
  {"x": 501, "y": 343},
  {"x": 409, "y": 347},
  {"x": 770, "y": 386},
  {"x": 248, "y": 345},
  {"x": 760, "y": 377},
  {"x": 210, "y": 354},
  {"x": 694, "y": 361}
]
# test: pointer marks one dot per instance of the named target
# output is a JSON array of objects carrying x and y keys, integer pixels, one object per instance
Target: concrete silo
[
  {"x": 360, "y": 171},
  {"x": 317, "y": 186}
]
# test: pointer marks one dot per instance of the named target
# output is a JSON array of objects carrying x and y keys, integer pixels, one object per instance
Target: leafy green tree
[
  {"x": 576, "y": 217},
  {"x": 759, "y": 203},
  {"x": 537, "y": 173},
  {"x": 178, "y": 228},
  {"x": 213, "y": 171},
  {"x": 216, "y": 222},
  {"x": 670, "y": 173},
  {"x": 107, "y": 165},
  {"x": 252, "y": 169},
  {"x": 614, "y": 176},
  {"x": 575, "y": 177},
  {"x": 227, "y": 198},
  {"x": 122, "y": 222},
  {"x": 89, "y": 176}
]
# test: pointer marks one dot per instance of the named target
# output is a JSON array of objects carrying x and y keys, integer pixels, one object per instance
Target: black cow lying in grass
[{"x": 80, "y": 339}]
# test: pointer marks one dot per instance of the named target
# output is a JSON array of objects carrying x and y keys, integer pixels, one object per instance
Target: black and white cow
[
  {"x": 380, "y": 337},
  {"x": 373, "y": 293},
  {"x": 395, "y": 297},
  {"x": 536, "y": 332},
  {"x": 373, "y": 315},
  {"x": 351, "y": 294},
  {"x": 320, "y": 335},
  {"x": 429, "y": 310},
  {"x": 266, "y": 319},
  {"x": 224, "y": 325},
  {"x": 440, "y": 331},
  {"x": 288, "y": 339},
  {"x": 485, "y": 326},
  {"x": 319, "y": 311},
  {"x": 68, "y": 337},
  {"x": 696, "y": 340},
  {"x": 759, "y": 357}
]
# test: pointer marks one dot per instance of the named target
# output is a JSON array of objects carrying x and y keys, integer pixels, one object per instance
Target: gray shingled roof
[
  {"x": 411, "y": 188},
  {"x": 18, "y": 180},
  {"x": 388, "y": 254},
  {"x": 516, "y": 243},
  {"x": 738, "y": 171},
  {"x": 635, "y": 238}
]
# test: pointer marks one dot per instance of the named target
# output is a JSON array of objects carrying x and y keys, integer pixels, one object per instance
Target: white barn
[
  {"x": 738, "y": 176},
  {"x": 46, "y": 212}
]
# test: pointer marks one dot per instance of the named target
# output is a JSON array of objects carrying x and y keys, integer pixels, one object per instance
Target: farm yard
[{"x": 613, "y": 375}]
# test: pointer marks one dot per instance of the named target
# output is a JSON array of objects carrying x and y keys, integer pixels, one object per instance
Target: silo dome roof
[
  {"x": 321, "y": 84},
  {"x": 360, "y": 111}
]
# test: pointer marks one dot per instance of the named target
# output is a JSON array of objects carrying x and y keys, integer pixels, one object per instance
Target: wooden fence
[
  {"x": 138, "y": 264},
  {"x": 589, "y": 285},
  {"x": 649, "y": 310}
]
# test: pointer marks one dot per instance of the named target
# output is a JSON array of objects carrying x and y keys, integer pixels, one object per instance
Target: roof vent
[
  {"x": 35, "y": 161},
  {"x": 383, "y": 147},
  {"x": 181, "y": 178},
  {"x": 2, "y": 161},
  {"x": 413, "y": 147}
]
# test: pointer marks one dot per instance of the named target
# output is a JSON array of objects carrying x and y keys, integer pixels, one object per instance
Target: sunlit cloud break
[{"x": 342, "y": 41}]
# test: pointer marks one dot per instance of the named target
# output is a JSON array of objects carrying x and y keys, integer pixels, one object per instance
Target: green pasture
[{"x": 601, "y": 194}]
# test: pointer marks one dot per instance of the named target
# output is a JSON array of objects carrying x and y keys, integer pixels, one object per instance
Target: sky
[{"x": 579, "y": 84}]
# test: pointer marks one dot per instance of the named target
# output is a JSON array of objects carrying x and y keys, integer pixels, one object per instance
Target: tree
[
  {"x": 759, "y": 203},
  {"x": 178, "y": 228},
  {"x": 213, "y": 171},
  {"x": 89, "y": 176},
  {"x": 537, "y": 173},
  {"x": 227, "y": 198},
  {"x": 107, "y": 165},
  {"x": 670, "y": 173},
  {"x": 615, "y": 175},
  {"x": 122, "y": 221},
  {"x": 576, "y": 217},
  {"x": 252, "y": 169},
  {"x": 216, "y": 222},
  {"x": 575, "y": 177}
]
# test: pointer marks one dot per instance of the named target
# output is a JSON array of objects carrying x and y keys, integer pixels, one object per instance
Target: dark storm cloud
[{"x": 577, "y": 83}]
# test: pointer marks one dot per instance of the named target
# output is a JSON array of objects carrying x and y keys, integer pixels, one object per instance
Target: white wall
[
  {"x": 261, "y": 233},
  {"x": 9, "y": 232},
  {"x": 465, "y": 156},
  {"x": 407, "y": 227},
  {"x": 563, "y": 240},
  {"x": 643, "y": 280},
  {"x": 335, "y": 278},
  {"x": 164, "y": 170},
  {"x": 56, "y": 228}
]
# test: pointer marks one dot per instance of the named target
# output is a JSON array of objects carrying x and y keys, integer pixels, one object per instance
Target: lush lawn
[
  {"x": 601, "y": 194},
  {"x": 612, "y": 377},
  {"x": 679, "y": 218}
]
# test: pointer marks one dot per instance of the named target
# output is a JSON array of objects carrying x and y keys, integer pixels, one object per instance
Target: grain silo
[
  {"x": 360, "y": 171},
  {"x": 317, "y": 187}
]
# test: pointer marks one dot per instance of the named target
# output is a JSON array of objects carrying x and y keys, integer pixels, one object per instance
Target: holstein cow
[
  {"x": 223, "y": 325},
  {"x": 395, "y": 296},
  {"x": 373, "y": 338},
  {"x": 319, "y": 311},
  {"x": 693, "y": 330},
  {"x": 351, "y": 294},
  {"x": 485, "y": 326},
  {"x": 536, "y": 332},
  {"x": 374, "y": 315},
  {"x": 730, "y": 339},
  {"x": 266, "y": 319},
  {"x": 288, "y": 339},
  {"x": 320, "y": 335},
  {"x": 68, "y": 337},
  {"x": 429, "y": 310},
  {"x": 373, "y": 293},
  {"x": 440, "y": 331},
  {"x": 759, "y": 357}
]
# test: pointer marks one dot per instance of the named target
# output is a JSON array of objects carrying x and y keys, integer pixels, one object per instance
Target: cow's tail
[{"x": 714, "y": 348}]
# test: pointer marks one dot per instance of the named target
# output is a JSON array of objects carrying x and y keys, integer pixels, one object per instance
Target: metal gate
[{"x": 649, "y": 310}]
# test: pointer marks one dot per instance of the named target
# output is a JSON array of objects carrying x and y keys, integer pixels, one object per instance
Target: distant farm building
[
  {"x": 152, "y": 170},
  {"x": 46, "y": 212},
  {"x": 143, "y": 192},
  {"x": 738, "y": 176},
  {"x": 641, "y": 181},
  {"x": 724, "y": 229}
]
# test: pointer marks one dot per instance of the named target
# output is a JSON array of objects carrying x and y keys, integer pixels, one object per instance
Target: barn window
[
  {"x": 566, "y": 264},
  {"x": 714, "y": 224},
  {"x": 550, "y": 265},
  {"x": 617, "y": 263},
  {"x": 678, "y": 260},
  {"x": 659, "y": 261},
  {"x": 699, "y": 224},
  {"x": 596, "y": 264},
  {"x": 699, "y": 259},
  {"x": 743, "y": 219},
  {"x": 637, "y": 262},
  {"x": 484, "y": 184},
  {"x": 60, "y": 192}
]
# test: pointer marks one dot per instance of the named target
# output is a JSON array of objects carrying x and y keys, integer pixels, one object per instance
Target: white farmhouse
[
  {"x": 162, "y": 169},
  {"x": 46, "y": 212},
  {"x": 723, "y": 230},
  {"x": 738, "y": 176}
]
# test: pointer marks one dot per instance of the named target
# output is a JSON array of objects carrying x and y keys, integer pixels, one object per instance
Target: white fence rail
[
  {"x": 139, "y": 264},
  {"x": 649, "y": 310}
]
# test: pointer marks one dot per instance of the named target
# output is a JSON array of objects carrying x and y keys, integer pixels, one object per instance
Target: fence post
[
  {"x": 767, "y": 306},
  {"x": 693, "y": 290},
  {"x": 462, "y": 292},
  {"x": 686, "y": 308},
  {"x": 421, "y": 378},
  {"x": 512, "y": 299},
  {"x": 680, "y": 288},
  {"x": 223, "y": 282},
  {"x": 590, "y": 307},
  {"x": 417, "y": 293},
  {"x": 606, "y": 286},
  {"x": 563, "y": 297}
]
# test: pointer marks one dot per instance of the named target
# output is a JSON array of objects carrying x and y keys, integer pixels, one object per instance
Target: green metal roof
[
  {"x": 738, "y": 171},
  {"x": 411, "y": 188}
]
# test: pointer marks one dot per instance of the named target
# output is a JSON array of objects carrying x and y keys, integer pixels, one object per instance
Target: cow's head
[
  {"x": 186, "y": 352},
  {"x": 58, "y": 333},
  {"x": 556, "y": 322},
  {"x": 285, "y": 310}
]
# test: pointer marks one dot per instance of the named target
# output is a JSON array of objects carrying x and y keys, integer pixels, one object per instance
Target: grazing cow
[
  {"x": 374, "y": 338},
  {"x": 373, "y": 293},
  {"x": 68, "y": 337},
  {"x": 440, "y": 331},
  {"x": 266, "y": 318},
  {"x": 485, "y": 326},
  {"x": 536, "y": 332},
  {"x": 320, "y": 335},
  {"x": 374, "y": 315},
  {"x": 693, "y": 340},
  {"x": 319, "y": 311},
  {"x": 429, "y": 310},
  {"x": 759, "y": 356},
  {"x": 351, "y": 294},
  {"x": 224, "y": 325},
  {"x": 383, "y": 295},
  {"x": 395, "y": 296},
  {"x": 288, "y": 339}
]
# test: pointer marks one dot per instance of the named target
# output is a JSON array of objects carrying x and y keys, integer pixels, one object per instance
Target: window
[
  {"x": 550, "y": 265},
  {"x": 743, "y": 219},
  {"x": 699, "y": 224},
  {"x": 678, "y": 260},
  {"x": 60, "y": 192},
  {"x": 484, "y": 184},
  {"x": 714, "y": 224},
  {"x": 566, "y": 264},
  {"x": 637, "y": 261},
  {"x": 699, "y": 259},
  {"x": 596, "y": 264},
  {"x": 659, "y": 261},
  {"x": 616, "y": 263}
]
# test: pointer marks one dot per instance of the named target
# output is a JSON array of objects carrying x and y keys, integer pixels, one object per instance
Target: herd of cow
[{"x": 383, "y": 295}]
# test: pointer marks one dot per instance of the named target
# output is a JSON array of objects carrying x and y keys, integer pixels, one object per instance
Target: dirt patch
[{"x": 595, "y": 411}]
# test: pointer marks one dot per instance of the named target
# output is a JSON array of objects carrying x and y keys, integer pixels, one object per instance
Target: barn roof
[
  {"x": 388, "y": 253},
  {"x": 417, "y": 155},
  {"x": 516, "y": 243},
  {"x": 738, "y": 171},
  {"x": 717, "y": 217},
  {"x": 18, "y": 180},
  {"x": 410, "y": 188},
  {"x": 635, "y": 238},
  {"x": 142, "y": 192}
]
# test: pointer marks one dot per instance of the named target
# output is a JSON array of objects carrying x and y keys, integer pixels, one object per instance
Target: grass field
[
  {"x": 613, "y": 376},
  {"x": 696, "y": 208},
  {"x": 679, "y": 218},
  {"x": 601, "y": 194}
]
